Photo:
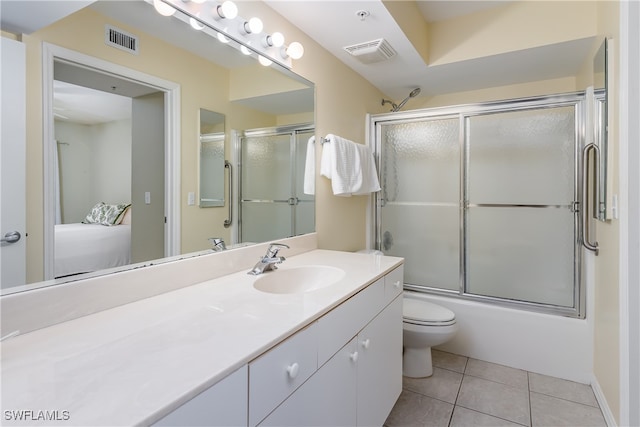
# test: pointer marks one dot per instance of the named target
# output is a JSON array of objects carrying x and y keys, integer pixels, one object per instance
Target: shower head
[
  {"x": 413, "y": 94},
  {"x": 396, "y": 107},
  {"x": 393, "y": 104}
]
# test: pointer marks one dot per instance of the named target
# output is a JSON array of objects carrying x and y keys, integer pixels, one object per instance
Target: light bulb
[
  {"x": 222, "y": 38},
  {"x": 195, "y": 24},
  {"x": 295, "y": 50},
  {"x": 198, "y": 1},
  {"x": 264, "y": 61},
  {"x": 254, "y": 26},
  {"x": 276, "y": 39},
  {"x": 162, "y": 8},
  {"x": 227, "y": 9},
  {"x": 244, "y": 50}
]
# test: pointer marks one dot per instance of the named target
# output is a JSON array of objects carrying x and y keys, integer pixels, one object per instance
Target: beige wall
[
  {"x": 514, "y": 26},
  {"x": 606, "y": 353}
]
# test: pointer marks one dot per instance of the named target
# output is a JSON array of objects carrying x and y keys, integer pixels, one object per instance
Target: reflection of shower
[{"x": 395, "y": 107}]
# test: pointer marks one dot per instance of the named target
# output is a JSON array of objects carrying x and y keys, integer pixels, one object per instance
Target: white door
[{"x": 12, "y": 165}]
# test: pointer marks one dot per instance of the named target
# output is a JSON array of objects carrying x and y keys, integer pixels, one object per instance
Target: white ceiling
[
  {"x": 335, "y": 24},
  {"x": 27, "y": 16}
]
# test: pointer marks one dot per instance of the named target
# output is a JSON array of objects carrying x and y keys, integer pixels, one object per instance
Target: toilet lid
[{"x": 420, "y": 311}]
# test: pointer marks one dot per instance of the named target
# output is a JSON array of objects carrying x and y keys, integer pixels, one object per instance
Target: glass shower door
[
  {"x": 483, "y": 201},
  {"x": 272, "y": 201},
  {"x": 419, "y": 217},
  {"x": 520, "y": 232},
  {"x": 266, "y": 169}
]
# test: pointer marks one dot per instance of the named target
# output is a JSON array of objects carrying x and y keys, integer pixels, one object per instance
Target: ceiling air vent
[
  {"x": 371, "y": 52},
  {"x": 122, "y": 40}
]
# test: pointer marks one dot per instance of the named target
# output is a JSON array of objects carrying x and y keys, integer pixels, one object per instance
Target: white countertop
[{"x": 135, "y": 363}]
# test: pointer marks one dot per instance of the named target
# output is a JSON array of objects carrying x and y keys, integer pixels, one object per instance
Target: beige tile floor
[{"x": 469, "y": 392}]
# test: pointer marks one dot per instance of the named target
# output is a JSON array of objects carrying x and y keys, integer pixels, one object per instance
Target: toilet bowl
[{"x": 424, "y": 325}]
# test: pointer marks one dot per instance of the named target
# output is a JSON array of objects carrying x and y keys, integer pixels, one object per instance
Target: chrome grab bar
[
  {"x": 592, "y": 246},
  {"x": 227, "y": 222}
]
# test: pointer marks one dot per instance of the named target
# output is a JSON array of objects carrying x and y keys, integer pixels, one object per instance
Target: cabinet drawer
[
  {"x": 393, "y": 283},
  {"x": 277, "y": 373},
  {"x": 343, "y": 322}
]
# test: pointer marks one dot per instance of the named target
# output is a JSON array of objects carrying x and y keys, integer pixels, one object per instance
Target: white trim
[
  {"x": 172, "y": 170},
  {"x": 369, "y": 219},
  {"x": 629, "y": 160},
  {"x": 172, "y": 143},
  {"x": 602, "y": 401}
]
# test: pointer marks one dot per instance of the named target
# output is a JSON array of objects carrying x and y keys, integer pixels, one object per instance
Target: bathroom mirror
[
  {"x": 247, "y": 95},
  {"x": 600, "y": 84},
  {"x": 211, "y": 149}
]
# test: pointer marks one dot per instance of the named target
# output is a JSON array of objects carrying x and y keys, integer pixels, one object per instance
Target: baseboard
[{"x": 602, "y": 401}]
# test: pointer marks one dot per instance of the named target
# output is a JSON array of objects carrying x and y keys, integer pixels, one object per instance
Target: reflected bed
[{"x": 83, "y": 248}]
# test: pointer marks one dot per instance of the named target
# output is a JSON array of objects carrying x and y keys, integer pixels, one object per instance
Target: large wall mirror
[
  {"x": 212, "y": 161},
  {"x": 222, "y": 93},
  {"x": 600, "y": 83}
]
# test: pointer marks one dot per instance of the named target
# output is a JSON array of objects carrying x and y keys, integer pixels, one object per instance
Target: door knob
[{"x": 11, "y": 237}]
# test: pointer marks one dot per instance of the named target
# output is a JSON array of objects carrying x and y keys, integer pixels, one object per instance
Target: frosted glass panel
[
  {"x": 266, "y": 168},
  {"x": 421, "y": 161},
  {"x": 522, "y": 157},
  {"x": 305, "y": 218},
  {"x": 262, "y": 222},
  {"x": 428, "y": 237},
  {"x": 212, "y": 170},
  {"x": 523, "y": 254}
]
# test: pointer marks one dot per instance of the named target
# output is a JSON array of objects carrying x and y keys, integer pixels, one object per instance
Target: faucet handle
[
  {"x": 217, "y": 243},
  {"x": 274, "y": 248}
]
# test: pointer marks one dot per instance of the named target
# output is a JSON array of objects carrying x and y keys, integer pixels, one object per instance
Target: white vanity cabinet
[
  {"x": 357, "y": 383},
  {"x": 223, "y": 404},
  {"x": 343, "y": 369}
]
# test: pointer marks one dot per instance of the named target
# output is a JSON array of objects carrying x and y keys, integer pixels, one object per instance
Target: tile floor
[{"x": 469, "y": 392}]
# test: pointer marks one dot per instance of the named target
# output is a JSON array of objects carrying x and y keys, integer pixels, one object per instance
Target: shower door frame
[{"x": 464, "y": 112}]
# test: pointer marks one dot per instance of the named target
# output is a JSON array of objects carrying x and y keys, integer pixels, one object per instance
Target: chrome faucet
[
  {"x": 269, "y": 261},
  {"x": 217, "y": 244}
]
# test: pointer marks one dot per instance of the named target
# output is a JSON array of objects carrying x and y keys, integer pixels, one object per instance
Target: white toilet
[{"x": 424, "y": 325}]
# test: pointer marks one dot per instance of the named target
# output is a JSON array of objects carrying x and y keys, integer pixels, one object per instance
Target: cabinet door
[
  {"x": 380, "y": 365},
  {"x": 328, "y": 398},
  {"x": 223, "y": 404}
]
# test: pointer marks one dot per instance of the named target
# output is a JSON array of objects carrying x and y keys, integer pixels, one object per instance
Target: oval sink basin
[{"x": 298, "y": 279}]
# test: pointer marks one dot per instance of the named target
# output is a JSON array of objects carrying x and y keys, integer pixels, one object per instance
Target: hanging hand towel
[
  {"x": 370, "y": 182},
  {"x": 310, "y": 168},
  {"x": 341, "y": 164}
]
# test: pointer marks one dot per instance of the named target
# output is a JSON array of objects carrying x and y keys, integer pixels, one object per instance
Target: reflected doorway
[{"x": 151, "y": 184}]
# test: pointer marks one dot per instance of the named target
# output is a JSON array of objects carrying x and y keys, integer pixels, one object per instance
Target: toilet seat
[{"x": 420, "y": 312}]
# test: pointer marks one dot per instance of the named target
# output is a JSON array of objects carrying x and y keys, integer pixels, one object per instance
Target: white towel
[
  {"x": 349, "y": 166},
  {"x": 310, "y": 168},
  {"x": 370, "y": 182}
]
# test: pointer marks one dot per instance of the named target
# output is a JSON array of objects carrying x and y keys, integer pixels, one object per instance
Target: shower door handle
[
  {"x": 586, "y": 242},
  {"x": 227, "y": 222}
]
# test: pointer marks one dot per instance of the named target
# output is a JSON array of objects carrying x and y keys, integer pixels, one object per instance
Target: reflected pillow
[
  {"x": 105, "y": 214},
  {"x": 125, "y": 218}
]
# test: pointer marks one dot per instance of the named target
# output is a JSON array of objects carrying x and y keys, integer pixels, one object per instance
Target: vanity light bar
[{"x": 246, "y": 33}]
